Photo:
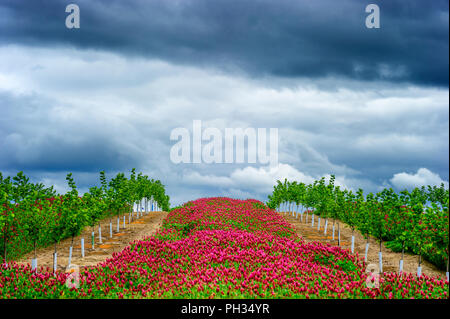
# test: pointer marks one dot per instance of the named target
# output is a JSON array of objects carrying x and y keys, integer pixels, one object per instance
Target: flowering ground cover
[
  {"x": 32, "y": 216},
  {"x": 222, "y": 248},
  {"x": 413, "y": 221}
]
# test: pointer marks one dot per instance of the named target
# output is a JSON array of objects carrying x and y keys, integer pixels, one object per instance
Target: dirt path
[
  {"x": 144, "y": 226},
  {"x": 390, "y": 259}
]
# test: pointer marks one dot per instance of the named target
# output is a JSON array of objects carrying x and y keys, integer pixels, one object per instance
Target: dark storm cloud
[
  {"x": 33, "y": 139},
  {"x": 53, "y": 154},
  {"x": 283, "y": 38}
]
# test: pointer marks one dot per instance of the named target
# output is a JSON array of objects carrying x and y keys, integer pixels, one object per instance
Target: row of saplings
[
  {"x": 415, "y": 221},
  {"x": 34, "y": 216}
]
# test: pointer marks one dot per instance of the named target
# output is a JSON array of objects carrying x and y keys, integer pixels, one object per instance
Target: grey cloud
[
  {"x": 422, "y": 177},
  {"x": 364, "y": 135},
  {"x": 31, "y": 138},
  {"x": 283, "y": 38}
]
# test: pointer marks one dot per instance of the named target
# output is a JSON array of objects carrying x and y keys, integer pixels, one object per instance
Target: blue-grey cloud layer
[
  {"x": 76, "y": 110},
  {"x": 283, "y": 38},
  {"x": 370, "y": 106}
]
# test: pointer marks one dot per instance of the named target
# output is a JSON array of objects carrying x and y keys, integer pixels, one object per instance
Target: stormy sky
[{"x": 368, "y": 105}]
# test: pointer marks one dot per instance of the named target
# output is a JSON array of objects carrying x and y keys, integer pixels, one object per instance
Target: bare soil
[
  {"x": 391, "y": 259},
  {"x": 139, "y": 228},
  {"x": 150, "y": 223}
]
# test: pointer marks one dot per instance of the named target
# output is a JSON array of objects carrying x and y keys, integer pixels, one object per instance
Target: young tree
[
  {"x": 35, "y": 221},
  {"x": 7, "y": 217},
  {"x": 117, "y": 193},
  {"x": 74, "y": 213},
  {"x": 56, "y": 232},
  {"x": 366, "y": 215},
  {"x": 96, "y": 206}
]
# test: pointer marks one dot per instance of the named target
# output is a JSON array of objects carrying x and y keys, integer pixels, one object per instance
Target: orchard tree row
[
  {"x": 415, "y": 221},
  {"x": 33, "y": 216}
]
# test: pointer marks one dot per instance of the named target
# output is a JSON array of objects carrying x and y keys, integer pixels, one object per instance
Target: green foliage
[
  {"x": 32, "y": 215},
  {"x": 258, "y": 205},
  {"x": 416, "y": 220}
]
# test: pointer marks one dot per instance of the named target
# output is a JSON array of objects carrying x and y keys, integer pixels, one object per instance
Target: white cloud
[
  {"x": 259, "y": 180},
  {"x": 56, "y": 102},
  {"x": 195, "y": 178},
  {"x": 57, "y": 185},
  {"x": 238, "y": 193},
  {"x": 263, "y": 179},
  {"x": 423, "y": 177}
]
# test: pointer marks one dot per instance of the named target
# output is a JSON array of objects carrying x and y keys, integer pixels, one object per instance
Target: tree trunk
[
  {"x": 334, "y": 224},
  {"x": 4, "y": 247},
  {"x": 447, "y": 267},
  {"x": 447, "y": 261},
  {"x": 93, "y": 237},
  {"x": 353, "y": 240},
  {"x": 403, "y": 249},
  {"x": 54, "y": 255},
  {"x": 367, "y": 248},
  {"x": 99, "y": 233},
  {"x": 339, "y": 234},
  {"x": 420, "y": 257}
]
